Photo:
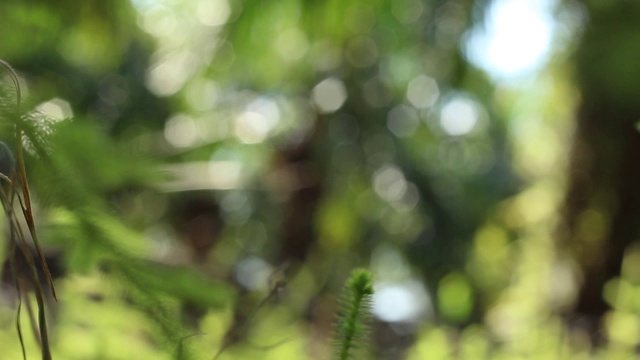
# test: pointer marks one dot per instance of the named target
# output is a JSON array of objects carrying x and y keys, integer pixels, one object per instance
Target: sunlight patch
[{"x": 516, "y": 38}]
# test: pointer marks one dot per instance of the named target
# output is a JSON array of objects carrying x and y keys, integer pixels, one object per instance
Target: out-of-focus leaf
[{"x": 183, "y": 283}]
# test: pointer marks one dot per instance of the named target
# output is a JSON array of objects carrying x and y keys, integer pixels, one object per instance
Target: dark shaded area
[{"x": 602, "y": 206}]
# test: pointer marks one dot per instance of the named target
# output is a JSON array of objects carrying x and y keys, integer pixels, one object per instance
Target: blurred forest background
[{"x": 206, "y": 173}]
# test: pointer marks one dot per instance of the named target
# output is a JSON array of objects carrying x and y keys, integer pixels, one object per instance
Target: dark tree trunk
[{"x": 601, "y": 214}]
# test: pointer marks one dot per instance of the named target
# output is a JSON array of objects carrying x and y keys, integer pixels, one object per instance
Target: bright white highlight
[
  {"x": 251, "y": 127},
  {"x": 459, "y": 117},
  {"x": 401, "y": 302},
  {"x": 516, "y": 39},
  {"x": 56, "y": 109}
]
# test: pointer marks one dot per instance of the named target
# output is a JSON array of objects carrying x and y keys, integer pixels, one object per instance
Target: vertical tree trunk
[{"x": 601, "y": 214}]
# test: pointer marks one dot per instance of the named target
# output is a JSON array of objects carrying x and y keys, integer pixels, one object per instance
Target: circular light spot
[
  {"x": 329, "y": 95},
  {"x": 251, "y": 127},
  {"x": 389, "y": 183},
  {"x": 180, "y": 131},
  {"x": 459, "y": 117},
  {"x": 422, "y": 92},
  {"x": 403, "y": 120},
  {"x": 292, "y": 44},
  {"x": 253, "y": 273}
]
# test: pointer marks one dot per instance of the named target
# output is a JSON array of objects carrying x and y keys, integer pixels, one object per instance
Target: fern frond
[
  {"x": 352, "y": 326},
  {"x": 14, "y": 180}
]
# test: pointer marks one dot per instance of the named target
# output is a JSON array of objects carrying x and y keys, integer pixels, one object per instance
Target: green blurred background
[{"x": 207, "y": 173}]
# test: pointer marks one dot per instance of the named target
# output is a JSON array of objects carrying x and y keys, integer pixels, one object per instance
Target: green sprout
[{"x": 352, "y": 327}]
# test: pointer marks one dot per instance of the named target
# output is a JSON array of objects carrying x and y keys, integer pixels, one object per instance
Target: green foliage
[
  {"x": 14, "y": 185},
  {"x": 352, "y": 327},
  {"x": 201, "y": 127},
  {"x": 77, "y": 167},
  {"x": 185, "y": 284}
]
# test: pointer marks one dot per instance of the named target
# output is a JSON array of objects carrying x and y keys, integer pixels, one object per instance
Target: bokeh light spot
[
  {"x": 403, "y": 121},
  {"x": 407, "y": 11},
  {"x": 389, "y": 183},
  {"x": 251, "y": 127},
  {"x": 213, "y": 12},
  {"x": 329, "y": 95},
  {"x": 56, "y": 109},
  {"x": 361, "y": 51},
  {"x": 168, "y": 75},
  {"x": 455, "y": 297},
  {"x": 292, "y": 44},
  {"x": 459, "y": 117},
  {"x": 422, "y": 92},
  {"x": 400, "y": 302},
  {"x": 180, "y": 131},
  {"x": 253, "y": 273},
  {"x": 516, "y": 39}
]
